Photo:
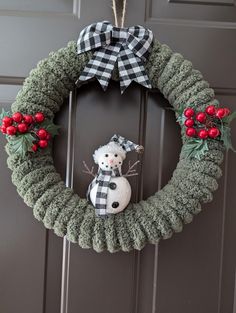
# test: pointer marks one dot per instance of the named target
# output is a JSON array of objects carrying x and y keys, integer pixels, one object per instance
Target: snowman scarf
[{"x": 103, "y": 180}]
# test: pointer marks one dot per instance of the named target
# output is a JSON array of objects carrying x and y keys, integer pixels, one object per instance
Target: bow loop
[
  {"x": 130, "y": 47},
  {"x": 140, "y": 41},
  {"x": 94, "y": 36}
]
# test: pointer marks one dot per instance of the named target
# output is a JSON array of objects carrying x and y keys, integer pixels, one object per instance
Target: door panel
[
  {"x": 53, "y": 6},
  {"x": 192, "y": 272},
  {"x": 99, "y": 115},
  {"x": 20, "y": 261},
  {"x": 202, "y": 31},
  {"x": 195, "y": 259}
]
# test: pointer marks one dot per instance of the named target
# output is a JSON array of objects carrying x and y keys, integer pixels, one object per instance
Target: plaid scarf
[
  {"x": 103, "y": 180},
  {"x": 130, "y": 47}
]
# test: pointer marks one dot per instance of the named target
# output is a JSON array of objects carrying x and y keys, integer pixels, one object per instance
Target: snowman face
[{"x": 110, "y": 161}]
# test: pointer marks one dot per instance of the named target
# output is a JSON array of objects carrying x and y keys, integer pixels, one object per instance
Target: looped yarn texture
[{"x": 148, "y": 221}]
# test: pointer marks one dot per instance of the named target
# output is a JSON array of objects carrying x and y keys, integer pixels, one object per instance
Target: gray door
[{"x": 192, "y": 272}]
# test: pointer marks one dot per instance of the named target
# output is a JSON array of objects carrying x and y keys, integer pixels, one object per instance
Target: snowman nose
[{"x": 111, "y": 161}]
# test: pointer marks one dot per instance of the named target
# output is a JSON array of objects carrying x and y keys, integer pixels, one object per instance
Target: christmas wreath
[{"x": 29, "y": 128}]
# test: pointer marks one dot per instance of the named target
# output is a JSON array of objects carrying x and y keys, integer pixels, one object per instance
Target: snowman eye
[
  {"x": 102, "y": 162},
  {"x": 116, "y": 155},
  {"x": 106, "y": 155}
]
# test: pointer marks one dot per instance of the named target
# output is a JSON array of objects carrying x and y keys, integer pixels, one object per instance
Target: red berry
[
  {"x": 11, "y": 130},
  {"x": 203, "y": 134},
  {"x": 220, "y": 113},
  {"x": 211, "y": 110},
  {"x": 48, "y": 137},
  {"x": 227, "y": 111},
  {"x": 34, "y": 147},
  {"x": 28, "y": 119},
  {"x": 22, "y": 128},
  {"x": 17, "y": 117},
  {"x": 42, "y": 133},
  {"x": 39, "y": 117},
  {"x": 3, "y": 129},
  {"x": 189, "y": 122},
  {"x": 7, "y": 121},
  {"x": 43, "y": 144},
  {"x": 191, "y": 132},
  {"x": 189, "y": 112},
  {"x": 213, "y": 132},
  {"x": 201, "y": 117}
]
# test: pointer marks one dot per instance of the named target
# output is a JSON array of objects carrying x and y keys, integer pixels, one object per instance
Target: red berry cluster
[
  {"x": 204, "y": 124},
  {"x": 21, "y": 124}
]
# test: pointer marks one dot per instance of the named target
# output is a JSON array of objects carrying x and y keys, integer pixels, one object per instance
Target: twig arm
[
  {"x": 131, "y": 171},
  {"x": 88, "y": 171},
  {"x": 129, "y": 175}
]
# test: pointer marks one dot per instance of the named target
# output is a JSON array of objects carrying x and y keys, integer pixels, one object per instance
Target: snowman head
[{"x": 110, "y": 156}]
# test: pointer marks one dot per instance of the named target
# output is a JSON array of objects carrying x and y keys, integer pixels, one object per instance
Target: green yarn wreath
[{"x": 148, "y": 221}]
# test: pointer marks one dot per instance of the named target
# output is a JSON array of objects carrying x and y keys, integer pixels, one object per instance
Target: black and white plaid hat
[
  {"x": 126, "y": 144},
  {"x": 129, "y": 47}
]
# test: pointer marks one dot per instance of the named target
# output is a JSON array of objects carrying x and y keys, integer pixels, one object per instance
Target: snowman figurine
[{"x": 110, "y": 191}]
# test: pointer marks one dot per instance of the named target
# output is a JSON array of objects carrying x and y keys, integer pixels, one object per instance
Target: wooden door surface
[{"x": 192, "y": 272}]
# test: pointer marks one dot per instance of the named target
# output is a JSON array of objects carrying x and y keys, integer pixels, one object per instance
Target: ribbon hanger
[{"x": 119, "y": 11}]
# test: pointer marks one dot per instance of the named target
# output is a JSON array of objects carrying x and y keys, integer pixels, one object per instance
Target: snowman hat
[{"x": 117, "y": 145}]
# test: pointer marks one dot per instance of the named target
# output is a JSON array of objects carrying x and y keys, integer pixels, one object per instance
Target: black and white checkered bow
[{"x": 130, "y": 47}]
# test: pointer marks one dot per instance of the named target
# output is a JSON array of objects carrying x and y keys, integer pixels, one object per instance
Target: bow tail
[
  {"x": 101, "y": 66},
  {"x": 131, "y": 68}
]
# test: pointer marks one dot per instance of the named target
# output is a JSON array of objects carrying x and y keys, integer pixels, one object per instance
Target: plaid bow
[
  {"x": 130, "y": 47},
  {"x": 103, "y": 180}
]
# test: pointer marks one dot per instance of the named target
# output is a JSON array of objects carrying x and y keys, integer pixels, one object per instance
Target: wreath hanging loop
[{"x": 119, "y": 12}]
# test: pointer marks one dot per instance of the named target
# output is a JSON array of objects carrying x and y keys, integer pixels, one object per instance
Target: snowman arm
[
  {"x": 88, "y": 171},
  {"x": 129, "y": 175},
  {"x": 131, "y": 170}
]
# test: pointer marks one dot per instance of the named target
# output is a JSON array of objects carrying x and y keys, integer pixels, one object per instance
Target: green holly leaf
[
  {"x": 22, "y": 143},
  {"x": 226, "y": 137},
  {"x": 195, "y": 148},
  {"x": 50, "y": 127},
  {"x": 181, "y": 119},
  {"x": 180, "y": 115},
  {"x": 3, "y": 114},
  {"x": 228, "y": 119}
]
